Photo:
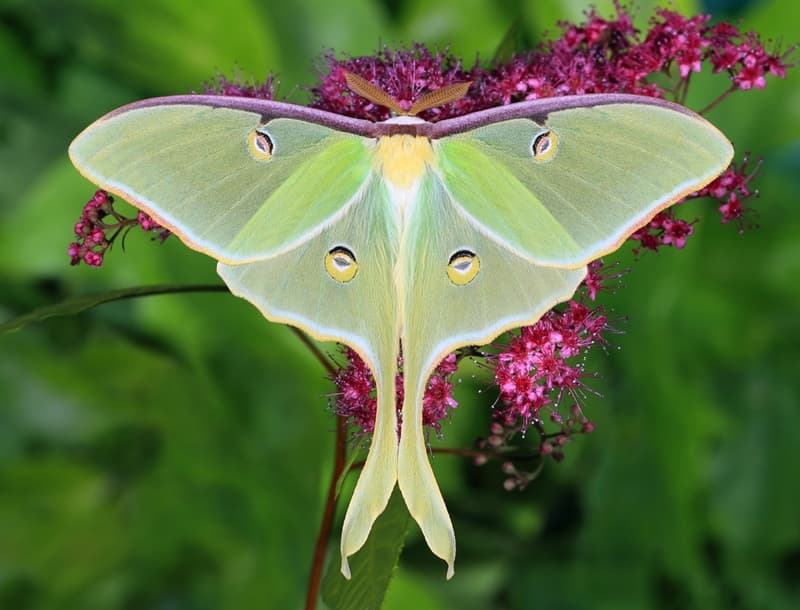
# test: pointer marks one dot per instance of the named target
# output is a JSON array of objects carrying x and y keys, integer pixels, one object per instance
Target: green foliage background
[{"x": 173, "y": 452}]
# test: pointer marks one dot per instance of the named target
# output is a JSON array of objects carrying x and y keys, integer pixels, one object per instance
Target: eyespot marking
[
  {"x": 341, "y": 264},
  {"x": 260, "y": 146},
  {"x": 544, "y": 146},
  {"x": 463, "y": 267}
]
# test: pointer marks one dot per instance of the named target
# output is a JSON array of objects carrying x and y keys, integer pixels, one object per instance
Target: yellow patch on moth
[{"x": 402, "y": 159}]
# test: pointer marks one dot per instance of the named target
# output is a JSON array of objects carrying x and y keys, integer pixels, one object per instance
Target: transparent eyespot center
[
  {"x": 544, "y": 146},
  {"x": 463, "y": 267},
  {"x": 341, "y": 265},
  {"x": 260, "y": 146}
]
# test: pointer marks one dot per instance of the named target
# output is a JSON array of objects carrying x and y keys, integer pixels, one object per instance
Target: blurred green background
[{"x": 173, "y": 452}]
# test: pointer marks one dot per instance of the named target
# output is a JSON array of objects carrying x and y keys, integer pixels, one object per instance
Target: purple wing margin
[
  {"x": 536, "y": 110},
  {"x": 268, "y": 109}
]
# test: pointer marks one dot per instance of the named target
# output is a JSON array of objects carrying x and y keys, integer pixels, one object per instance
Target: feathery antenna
[
  {"x": 432, "y": 99},
  {"x": 440, "y": 97},
  {"x": 373, "y": 93}
]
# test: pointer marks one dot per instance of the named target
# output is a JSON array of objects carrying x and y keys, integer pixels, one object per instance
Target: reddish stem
[
  {"x": 339, "y": 449},
  {"x": 318, "y": 563},
  {"x": 718, "y": 100}
]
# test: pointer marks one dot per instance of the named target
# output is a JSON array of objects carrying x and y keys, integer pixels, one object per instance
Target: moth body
[
  {"x": 403, "y": 159},
  {"x": 429, "y": 235}
]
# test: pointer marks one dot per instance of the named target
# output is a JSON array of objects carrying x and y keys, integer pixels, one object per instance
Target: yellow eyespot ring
[
  {"x": 260, "y": 146},
  {"x": 544, "y": 146},
  {"x": 463, "y": 267},
  {"x": 341, "y": 265}
]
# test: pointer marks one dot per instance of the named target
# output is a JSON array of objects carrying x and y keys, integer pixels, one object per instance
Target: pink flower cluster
[
  {"x": 541, "y": 363},
  {"x": 743, "y": 56},
  {"x": 100, "y": 225},
  {"x": 405, "y": 74},
  {"x": 539, "y": 368},
  {"x": 599, "y": 56},
  {"x": 731, "y": 188},
  {"x": 355, "y": 395}
]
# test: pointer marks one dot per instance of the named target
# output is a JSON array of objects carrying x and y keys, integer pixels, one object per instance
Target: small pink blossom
[
  {"x": 676, "y": 232},
  {"x": 665, "y": 229},
  {"x": 600, "y": 278},
  {"x": 99, "y": 226}
]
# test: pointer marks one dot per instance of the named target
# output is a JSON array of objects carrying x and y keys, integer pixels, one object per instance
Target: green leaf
[
  {"x": 79, "y": 304},
  {"x": 351, "y": 459},
  {"x": 373, "y": 566}
]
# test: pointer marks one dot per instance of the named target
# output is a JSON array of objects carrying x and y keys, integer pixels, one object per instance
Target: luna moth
[{"x": 402, "y": 235}]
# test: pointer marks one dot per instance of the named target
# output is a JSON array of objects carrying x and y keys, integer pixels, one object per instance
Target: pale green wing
[
  {"x": 296, "y": 288},
  {"x": 599, "y": 173},
  {"x": 440, "y": 316},
  {"x": 198, "y": 171},
  {"x": 519, "y": 208},
  {"x": 292, "y": 209}
]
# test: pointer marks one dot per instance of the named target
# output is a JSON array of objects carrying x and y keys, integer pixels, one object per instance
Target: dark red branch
[{"x": 323, "y": 536}]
